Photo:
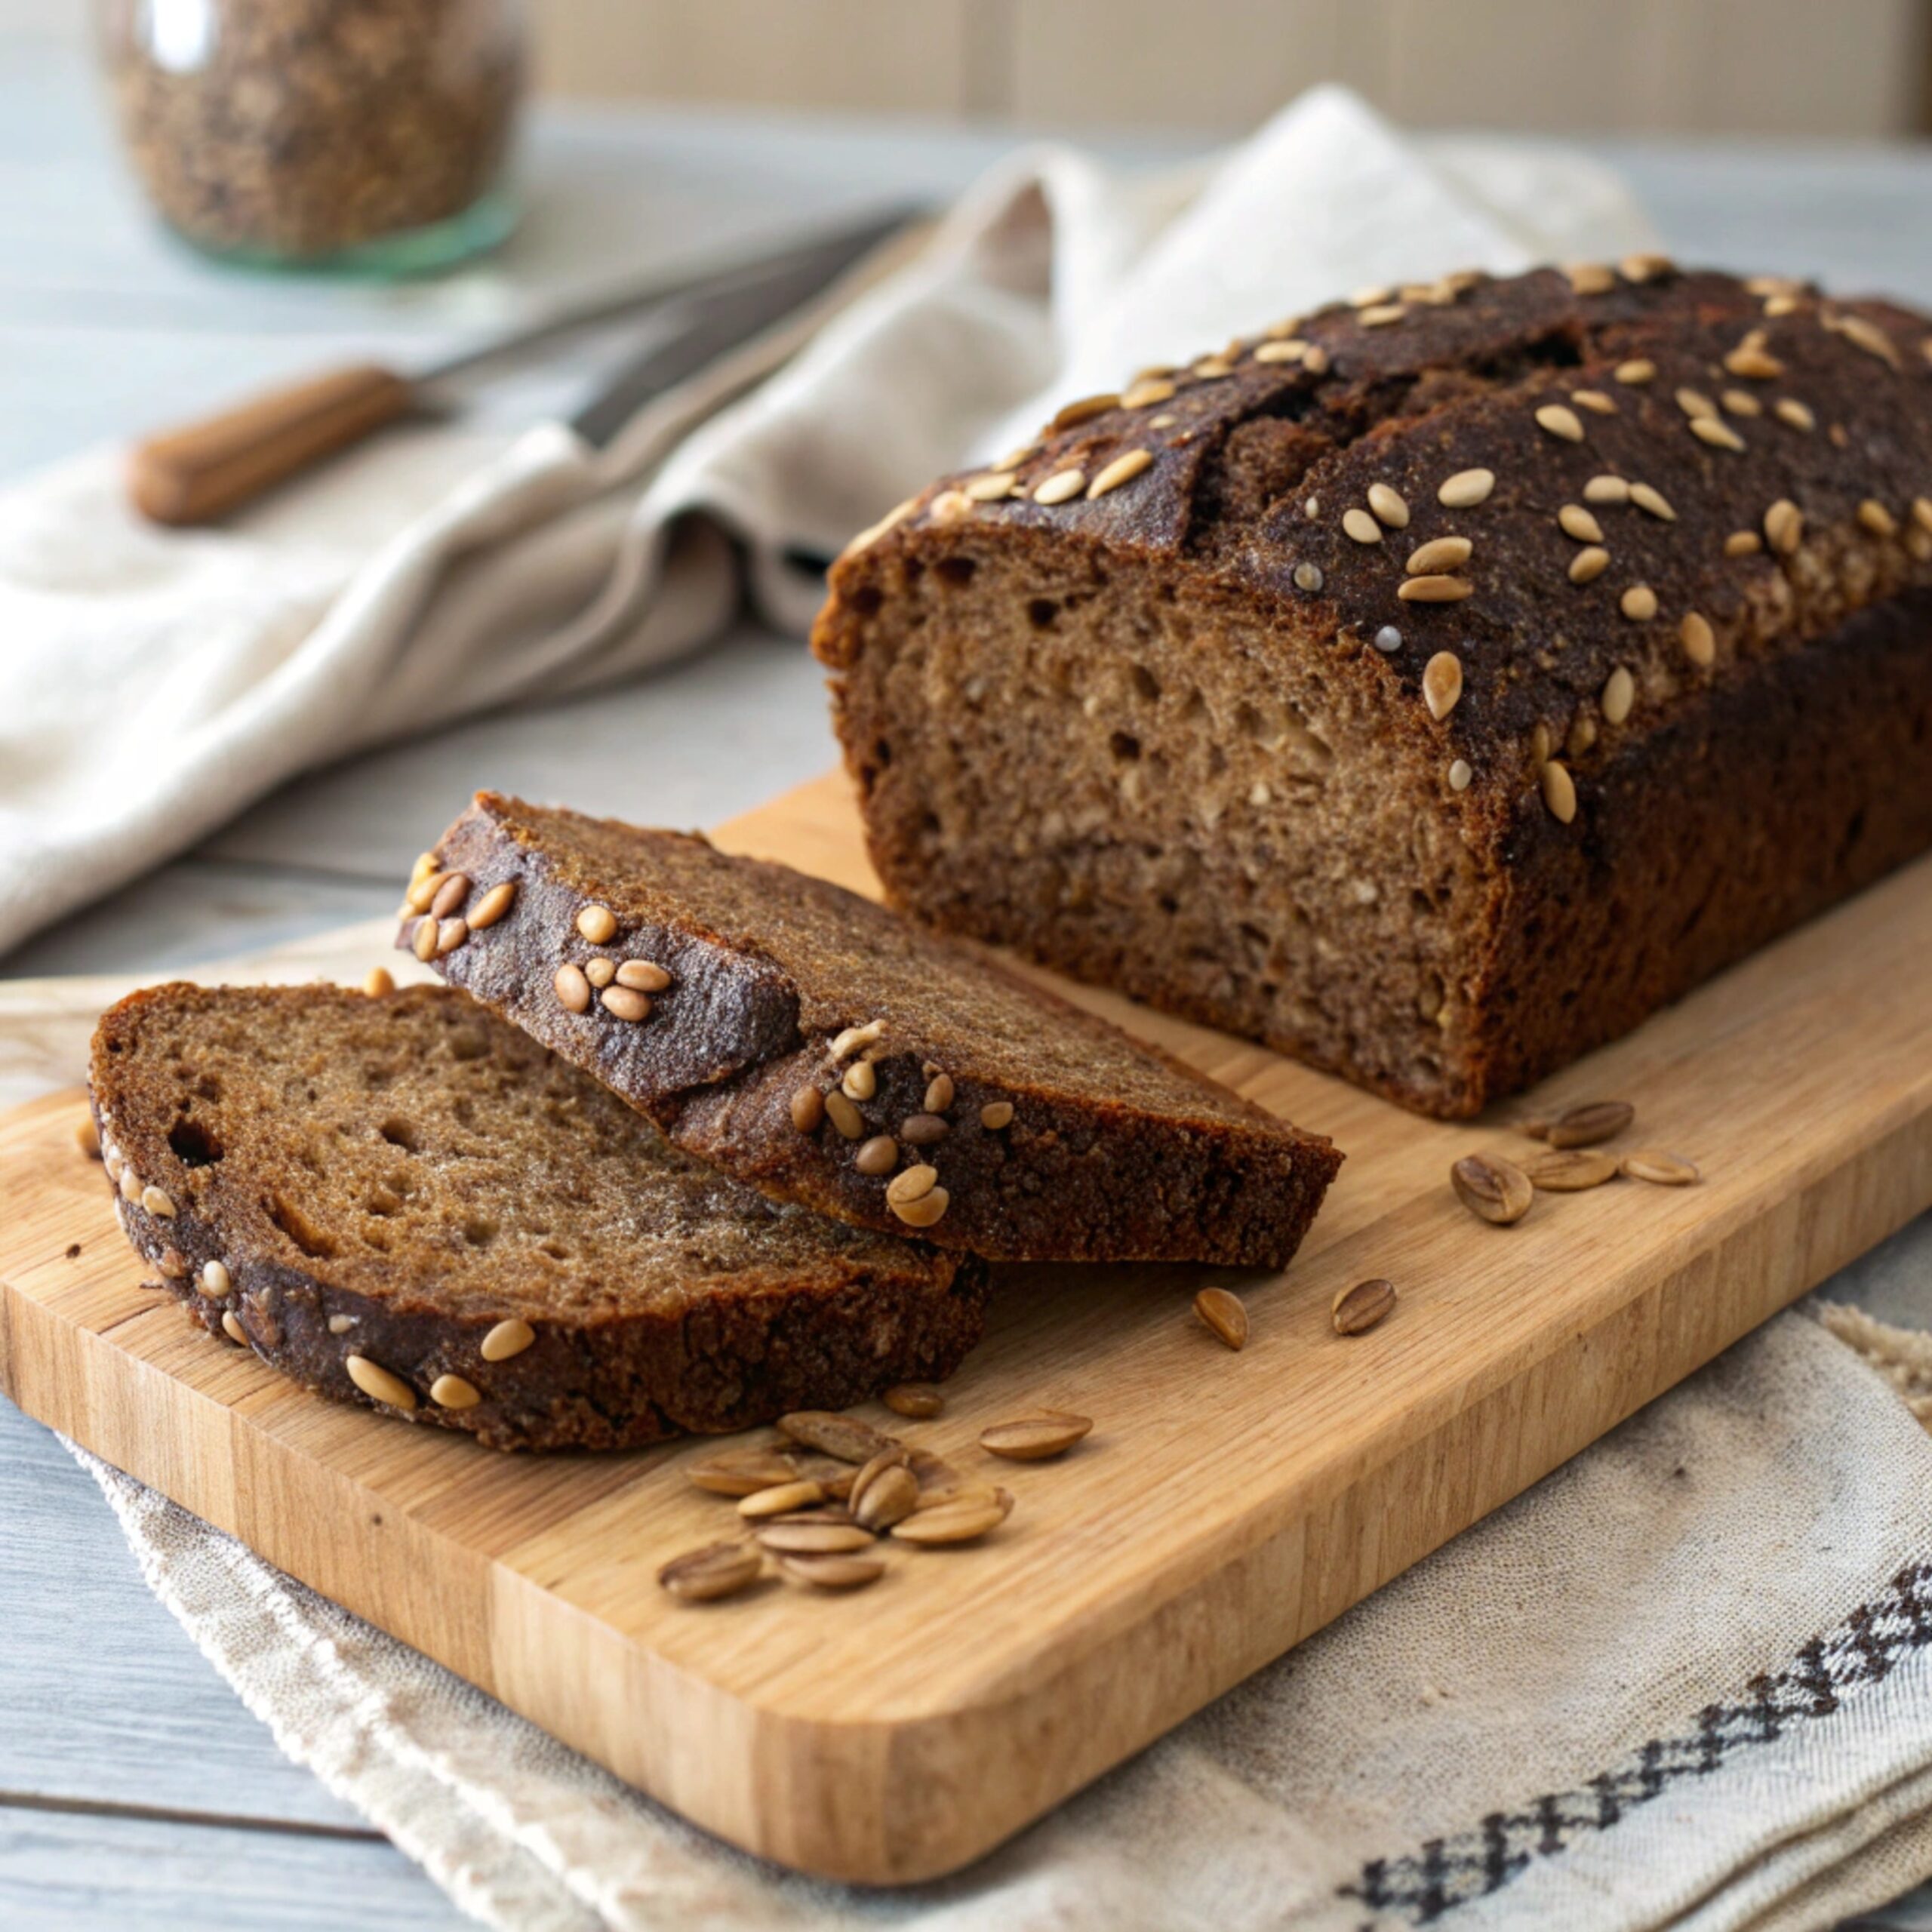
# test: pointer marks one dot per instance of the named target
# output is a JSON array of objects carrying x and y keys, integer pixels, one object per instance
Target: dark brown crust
[
  {"x": 1734, "y": 800},
  {"x": 724, "y": 1051},
  {"x": 805, "y": 1340}
]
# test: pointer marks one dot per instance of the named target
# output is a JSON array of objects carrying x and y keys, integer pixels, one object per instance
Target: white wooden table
[{"x": 134, "y": 1789}]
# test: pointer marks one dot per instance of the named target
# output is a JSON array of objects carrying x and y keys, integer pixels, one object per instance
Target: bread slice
[
  {"x": 817, "y": 1046},
  {"x": 403, "y": 1202}
]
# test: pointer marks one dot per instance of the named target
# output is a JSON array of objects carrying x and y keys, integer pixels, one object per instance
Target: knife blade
[{"x": 198, "y": 472}]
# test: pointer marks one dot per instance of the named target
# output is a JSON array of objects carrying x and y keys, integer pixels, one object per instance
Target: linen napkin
[
  {"x": 152, "y": 682},
  {"x": 1683, "y": 1682}
]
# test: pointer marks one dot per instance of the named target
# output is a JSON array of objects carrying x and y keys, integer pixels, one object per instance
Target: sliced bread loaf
[
  {"x": 817, "y": 1046},
  {"x": 404, "y": 1201}
]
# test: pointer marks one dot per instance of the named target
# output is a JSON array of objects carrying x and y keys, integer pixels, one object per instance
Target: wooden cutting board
[{"x": 1225, "y": 1506}]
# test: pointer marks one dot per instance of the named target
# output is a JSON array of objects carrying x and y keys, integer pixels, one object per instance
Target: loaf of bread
[
  {"x": 1431, "y": 686},
  {"x": 825, "y": 1050},
  {"x": 402, "y": 1201}
]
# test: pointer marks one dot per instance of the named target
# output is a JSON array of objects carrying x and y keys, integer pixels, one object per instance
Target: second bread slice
[{"x": 814, "y": 1043}]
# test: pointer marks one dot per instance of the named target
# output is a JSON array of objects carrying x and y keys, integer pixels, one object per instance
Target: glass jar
[{"x": 365, "y": 136}]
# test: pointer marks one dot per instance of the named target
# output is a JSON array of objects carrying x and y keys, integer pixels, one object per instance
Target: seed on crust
[
  {"x": 1639, "y": 603},
  {"x": 845, "y": 1117},
  {"x": 1663, "y": 1169},
  {"x": 598, "y": 924},
  {"x": 925, "y": 1211},
  {"x": 939, "y": 1094},
  {"x": 643, "y": 976},
  {"x": 844, "y": 1438},
  {"x": 1389, "y": 508},
  {"x": 1359, "y": 525},
  {"x": 375, "y": 1381},
  {"x": 1559, "y": 791},
  {"x": 1699, "y": 641},
  {"x": 378, "y": 983},
  {"x": 422, "y": 941},
  {"x": 807, "y": 1109},
  {"x": 1560, "y": 420},
  {"x": 623, "y": 1004},
  {"x": 450, "y": 895},
  {"x": 742, "y": 1471},
  {"x": 1590, "y": 1123},
  {"x": 508, "y": 1337},
  {"x": 1434, "y": 589},
  {"x": 832, "y": 1572},
  {"x": 1491, "y": 1187},
  {"x": 1595, "y": 400},
  {"x": 1465, "y": 489},
  {"x": 1607, "y": 489},
  {"x": 1440, "y": 553},
  {"x": 1874, "y": 516},
  {"x": 1589, "y": 563},
  {"x": 923, "y": 1130},
  {"x": 860, "y": 1082},
  {"x": 233, "y": 1329},
  {"x": 1145, "y": 396},
  {"x": 1224, "y": 1313},
  {"x": 854, "y": 1037},
  {"x": 1356, "y": 1310},
  {"x": 1741, "y": 402},
  {"x": 1034, "y": 1438},
  {"x": 1742, "y": 543},
  {"x": 919, "y": 1400},
  {"x": 158, "y": 1202},
  {"x": 878, "y": 1155},
  {"x": 804, "y": 1537},
  {"x": 1620, "y": 693},
  {"x": 992, "y": 486},
  {"x": 1868, "y": 335},
  {"x": 1591, "y": 278},
  {"x": 964, "y": 1519},
  {"x": 1696, "y": 404},
  {"x": 889, "y": 1498},
  {"x": 1287, "y": 350},
  {"x": 216, "y": 1281},
  {"x": 1307, "y": 576},
  {"x": 172, "y": 1263},
  {"x": 572, "y": 989},
  {"x": 1636, "y": 372},
  {"x": 1124, "y": 468},
  {"x": 1082, "y": 408},
  {"x": 1645, "y": 268},
  {"x": 1575, "y": 521},
  {"x": 717, "y": 1570},
  {"x": 996, "y": 1114},
  {"x": 1653, "y": 503},
  {"x": 1442, "y": 683},
  {"x": 799, "y": 1493},
  {"x": 1789, "y": 409},
  {"x": 1754, "y": 363},
  {"x": 1569, "y": 1170},
  {"x": 1061, "y": 487},
  {"x": 452, "y": 1392},
  {"x": 913, "y": 1185},
  {"x": 1784, "y": 526},
  {"x": 1716, "y": 432},
  {"x": 1460, "y": 773},
  {"x": 451, "y": 933}
]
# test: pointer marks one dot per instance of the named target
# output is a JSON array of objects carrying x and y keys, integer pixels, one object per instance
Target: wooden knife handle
[{"x": 202, "y": 471}]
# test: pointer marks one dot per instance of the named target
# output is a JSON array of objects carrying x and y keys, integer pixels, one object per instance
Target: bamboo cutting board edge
[{"x": 745, "y": 1722}]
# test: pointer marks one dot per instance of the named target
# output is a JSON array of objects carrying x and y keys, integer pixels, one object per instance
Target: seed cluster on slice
[
  {"x": 825, "y": 1501},
  {"x": 1501, "y": 1191}
]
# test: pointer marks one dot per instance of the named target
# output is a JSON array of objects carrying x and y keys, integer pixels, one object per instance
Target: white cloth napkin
[
  {"x": 1684, "y": 1682},
  {"x": 152, "y": 682}
]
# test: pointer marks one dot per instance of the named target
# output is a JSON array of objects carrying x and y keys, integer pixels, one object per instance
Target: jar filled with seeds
[{"x": 366, "y": 136}]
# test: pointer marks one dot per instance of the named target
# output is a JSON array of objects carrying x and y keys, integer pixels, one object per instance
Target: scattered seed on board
[
  {"x": 1664, "y": 1169},
  {"x": 1590, "y": 1123},
  {"x": 506, "y": 1338},
  {"x": 889, "y": 1498},
  {"x": 452, "y": 1392},
  {"x": 1569, "y": 1170},
  {"x": 572, "y": 989},
  {"x": 375, "y": 1381},
  {"x": 598, "y": 924},
  {"x": 742, "y": 1471},
  {"x": 996, "y": 1114},
  {"x": 1034, "y": 1438},
  {"x": 1496, "y": 1190},
  {"x": 962, "y": 1519},
  {"x": 807, "y": 1109},
  {"x": 919, "y": 1400},
  {"x": 1225, "y": 1314},
  {"x": 1356, "y": 1310},
  {"x": 844, "y": 1438},
  {"x": 832, "y": 1572},
  {"x": 717, "y": 1570},
  {"x": 878, "y": 1155},
  {"x": 807, "y": 1538},
  {"x": 798, "y": 1494},
  {"x": 379, "y": 982},
  {"x": 893, "y": 1456},
  {"x": 1465, "y": 489},
  {"x": 492, "y": 905}
]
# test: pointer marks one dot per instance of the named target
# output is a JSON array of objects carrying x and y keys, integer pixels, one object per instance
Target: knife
[{"x": 197, "y": 473}]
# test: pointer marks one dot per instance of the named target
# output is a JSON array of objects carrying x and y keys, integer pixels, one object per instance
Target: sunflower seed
[
  {"x": 1442, "y": 683},
  {"x": 990, "y": 487},
  {"x": 889, "y": 1498},
  {"x": 781, "y": 1497},
  {"x": 1590, "y": 564},
  {"x": 1061, "y": 486},
  {"x": 1639, "y": 603},
  {"x": 1363, "y": 527},
  {"x": 1123, "y": 469},
  {"x": 1784, "y": 527},
  {"x": 893, "y": 1456},
  {"x": 845, "y": 1438},
  {"x": 1034, "y": 1437},
  {"x": 1358, "y": 1310},
  {"x": 1666, "y": 1170},
  {"x": 1440, "y": 553},
  {"x": 961, "y": 1520},
  {"x": 643, "y": 976},
  {"x": 1873, "y": 515},
  {"x": 717, "y": 1570},
  {"x": 810, "y": 1539},
  {"x": 1389, "y": 508},
  {"x": 1636, "y": 372},
  {"x": 1434, "y": 589},
  {"x": 832, "y": 1572},
  {"x": 1569, "y": 1170},
  {"x": 1620, "y": 693},
  {"x": 1789, "y": 409},
  {"x": 1595, "y": 400},
  {"x": 1559, "y": 791},
  {"x": 375, "y": 1381},
  {"x": 1718, "y": 434},
  {"x": 1496, "y": 1189},
  {"x": 1653, "y": 503},
  {"x": 1606, "y": 489},
  {"x": 742, "y": 1471},
  {"x": 915, "y": 1184},
  {"x": 1590, "y": 1123},
  {"x": 1465, "y": 489},
  {"x": 920, "y": 1400},
  {"x": 1223, "y": 1312},
  {"x": 1575, "y": 521},
  {"x": 1699, "y": 641},
  {"x": 1561, "y": 421}
]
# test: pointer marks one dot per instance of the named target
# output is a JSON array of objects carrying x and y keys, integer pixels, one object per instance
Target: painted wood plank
[{"x": 1110, "y": 1606}]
